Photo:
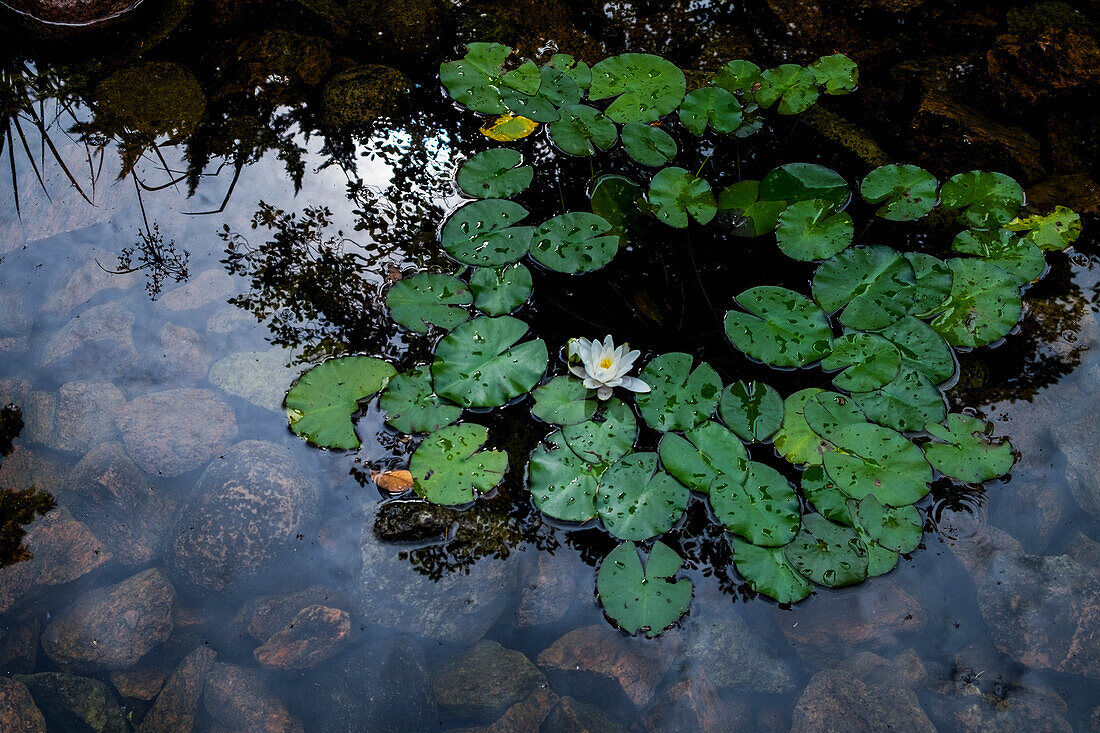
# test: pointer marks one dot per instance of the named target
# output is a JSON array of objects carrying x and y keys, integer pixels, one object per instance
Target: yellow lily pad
[{"x": 509, "y": 127}]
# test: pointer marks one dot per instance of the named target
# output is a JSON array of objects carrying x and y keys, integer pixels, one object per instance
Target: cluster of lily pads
[{"x": 881, "y": 323}]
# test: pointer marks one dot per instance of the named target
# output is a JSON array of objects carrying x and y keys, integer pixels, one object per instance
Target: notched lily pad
[
  {"x": 562, "y": 484},
  {"x": 412, "y": 406},
  {"x": 1020, "y": 258},
  {"x": 607, "y": 436},
  {"x": 427, "y": 299},
  {"x": 874, "y": 285},
  {"x": 752, "y": 410},
  {"x": 764, "y": 509},
  {"x": 767, "y": 571},
  {"x": 871, "y": 459},
  {"x": 648, "y": 144},
  {"x": 827, "y": 553},
  {"x": 796, "y": 182},
  {"x": 450, "y": 468},
  {"x": 983, "y": 307},
  {"x": 905, "y": 403},
  {"x": 643, "y": 599},
  {"x": 481, "y": 363},
  {"x": 988, "y": 200},
  {"x": 712, "y": 107},
  {"x": 964, "y": 448},
  {"x": 495, "y": 174},
  {"x": 581, "y": 129},
  {"x": 896, "y": 529},
  {"x": 702, "y": 455},
  {"x": 1051, "y": 232},
  {"x": 906, "y": 192},
  {"x": 320, "y": 404},
  {"x": 795, "y": 440},
  {"x": 500, "y": 290},
  {"x": 743, "y": 211},
  {"x": 809, "y": 230},
  {"x": 645, "y": 87},
  {"x": 782, "y": 328},
  {"x": 483, "y": 233},
  {"x": 574, "y": 242},
  {"x": 835, "y": 74},
  {"x": 564, "y": 400},
  {"x": 737, "y": 77},
  {"x": 867, "y": 361},
  {"x": 678, "y": 195},
  {"x": 679, "y": 398},
  {"x": 792, "y": 86},
  {"x": 637, "y": 501}
]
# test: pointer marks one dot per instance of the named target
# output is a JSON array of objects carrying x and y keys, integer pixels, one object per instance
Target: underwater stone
[
  {"x": 263, "y": 617},
  {"x": 596, "y": 661},
  {"x": 527, "y": 714},
  {"x": 305, "y": 59},
  {"x": 177, "y": 704},
  {"x": 208, "y": 287},
  {"x": 485, "y": 680},
  {"x": 181, "y": 356},
  {"x": 733, "y": 655},
  {"x": 145, "y": 680},
  {"x": 115, "y": 497},
  {"x": 152, "y": 98},
  {"x": 261, "y": 377},
  {"x": 238, "y": 699},
  {"x": 865, "y": 693},
  {"x": 99, "y": 341},
  {"x": 363, "y": 93},
  {"x": 1019, "y": 594},
  {"x": 113, "y": 626},
  {"x": 18, "y": 713},
  {"x": 400, "y": 31},
  {"x": 19, "y": 645},
  {"x": 550, "y": 589},
  {"x": 72, "y": 703},
  {"x": 314, "y": 635},
  {"x": 177, "y": 430},
  {"x": 78, "y": 416},
  {"x": 13, "y": 314},
  {"x": 72, "y": 12},
  {"x": 1044, "y": 64},
  {"x": 573, "y": 716},
  {"x": 381, "y": 686},
  {"x": 247, "y": 509},
  {"x": 90, "y": 279},
  {"x": 692, "y": 704}
]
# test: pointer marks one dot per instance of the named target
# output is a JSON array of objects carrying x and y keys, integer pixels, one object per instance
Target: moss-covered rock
[
  {"x": 363, "y": 93},
  {"x": 151, "y": 98},
  {"x": 401, "y": 30}
]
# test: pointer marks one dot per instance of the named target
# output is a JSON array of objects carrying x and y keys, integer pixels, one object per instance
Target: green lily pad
[
  {"x": 679, "y": 398},
  {"x": 796, "y": 182},
  {"x": 710, "y": 106},
  {"x": 480, "y": 363},
  {"x": 616, "y": 199},
  {"x": 562, "y": 484},
  {"x": 764, "y": 509},
  {"x": 1051, "y": 232},
  {"x": 677, "y": 194},
  {"x": 581, "y": 129},
  {"x": 638, "y": 599},
  {"x": 922, "y": 348},
  {"x": 475, "y": 80},
  {"x": 988, "y": 200},
  {"x": 578, "y": 71},
  {"x": 906, "y": 192},
  {"x": 636, "y": 500},
  {"x": 827, "y": 553},
  {"x": 867, "y": 360},
  {"x": 793, "y": 86},
  {"x": 495, "y": 174},
  {"x": 871, "y": 459},
  {"x": 607, "y": 436},
  {"x": 933, "y": 282},
  {"x": 782, "y": 328},
  {"x": 646, "y": 87},
  {"x": 745, "y": 214},
  {"x": 648, "y": 144},
  {"x": 752, "y": 410},
  {"x": 412, "y": 406},
  {"x": 737, "y": 77},
  {"x": 767, "y": 571},
  {"x": 500, "y": 290},
  {"x": 482, "y": 233},
  {"x": 449, "y": 466},
  {"x": 875, "y": 286},
  {"x": 556, "y": 89},
  {"x": 320, "y": 404},
  {"x": 905, "y": 403},
  {"x": 563, "y": 400},
  {"x": 964, "y": 449},
  {"x": 835, "y": 74},
  {"x": 896, "y": 529},
  {"x": 809, "y": 230},
  {"x": 827, "y": 412},
  {"x": 795, "y": 440},
  {"x": 427, "y": 299},
  {"x": 1021, "y": 259},
  {"x": 702, "y": 455},
  {"x": 574, "y": 242},
  {"x": 821, "y": 491},
  {"x": 983, "y": 307}
]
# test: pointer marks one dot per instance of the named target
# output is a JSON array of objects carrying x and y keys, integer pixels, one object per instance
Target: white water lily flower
[{"x": 603, "y": 367}]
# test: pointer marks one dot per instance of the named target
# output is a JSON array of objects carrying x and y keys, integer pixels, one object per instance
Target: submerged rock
[
  {"x": 550, "y": 589},
  {"x": 99, "y": 341},
  {"x": 72, "y": 12},
  {"x": 90, "y": 279},
  {"x": 865, "y": 693},
  {"x": 180, "y": 355},
  {"x": 1043, "y": 611},
  {"x": 400, "y": 31},
  {"x": 144, "y": 681},
  {"x": 123, "y": 508},
  {"x": 485, "y": 680},
  {"x": 731, "y": 653},
  {"x": 177, "y": 430},
  {"x": 527, "y": 714},
  {"x": 206, "y": 288},
  {"x": 247, "y": 509},
  {"x": 595, "y": 662},
  {"x": 261, "y": 377},
  {"x": 18, "y": 713},
  {"x": 152, "y": 98},
  {"x": 315, "y": 634},
  {"x": 364, "y": 93},
  {"x": 265, "y": 616},
  {"x": 694, "y": 704},
  {"x": 177, "y": 704},
  {"x": 78, "y": 416},
  {"x": 573, "y": 716},
  {"x": 72, "y": 703},
  {"x": 238, "y": 699},
  {"x": 1041, "y": 64},
  {"x": 112, "y": 627}
]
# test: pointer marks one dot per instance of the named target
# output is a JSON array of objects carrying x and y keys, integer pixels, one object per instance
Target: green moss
[
  {"x": 151, "y": 98},
  {"x": 363, "y": 93}
]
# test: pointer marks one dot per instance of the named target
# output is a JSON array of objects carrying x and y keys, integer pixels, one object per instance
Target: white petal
[
  {"x": 613, "y": 382},
  {"x": 603, "y": 392},
  {"x": 591, "y": 383},
  {"x": 608, "y": 343},
  {"x": 635, "y": 385},
  {"x": 577, "y": 370},
  {"x": 631, "y": 357}
]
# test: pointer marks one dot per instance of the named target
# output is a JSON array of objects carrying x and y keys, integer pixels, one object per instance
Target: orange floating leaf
[{"x": 393, "y": 482}]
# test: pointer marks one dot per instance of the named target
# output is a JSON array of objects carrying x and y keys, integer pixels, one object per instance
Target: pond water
[{"x": 201, "y": 202}]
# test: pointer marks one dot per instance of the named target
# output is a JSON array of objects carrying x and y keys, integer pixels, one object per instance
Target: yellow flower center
[{"x": 605, "y": 363}]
